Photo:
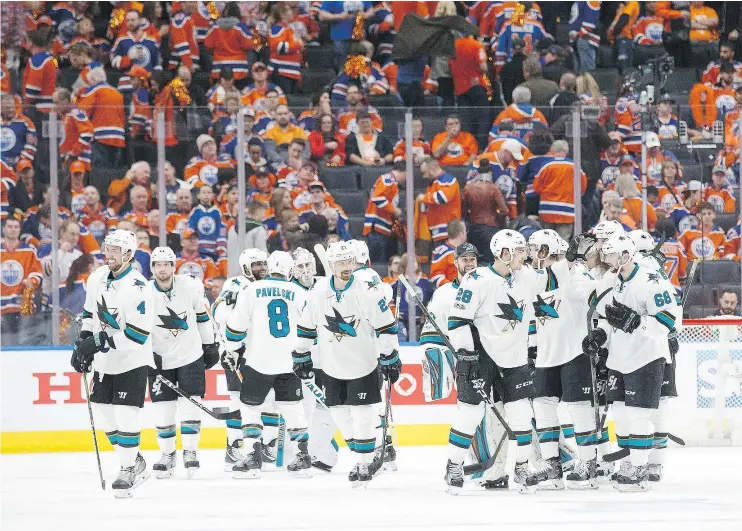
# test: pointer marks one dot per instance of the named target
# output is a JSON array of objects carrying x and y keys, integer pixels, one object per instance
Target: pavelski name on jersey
[{"x": 181, "y": 323}]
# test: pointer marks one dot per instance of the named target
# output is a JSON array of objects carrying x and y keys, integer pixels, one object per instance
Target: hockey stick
[
  {"x": 689, "y": 283},
  {"x": 223, "y": 341},
  {"x": 593, "y": 373},
  {"x": 624, "y": 452},
  {"x": 322, "y": 255},
  {"x": 92, "y": 427},
  {"x": 316, "y": 392},
  {"x": 216, "y": 413},
  {"x": 470, "y": 470},
  {"x": 397, "y": 303},
  {"x": 476, "y": 384},
  {"x": 385, "y": 427}
]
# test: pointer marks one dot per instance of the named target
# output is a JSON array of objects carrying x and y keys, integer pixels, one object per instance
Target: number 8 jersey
[{"x": 264, "y": 319}]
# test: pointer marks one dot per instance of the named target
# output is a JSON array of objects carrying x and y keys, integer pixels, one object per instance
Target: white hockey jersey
[
  {"x": 439, "y": 307},
  {"x": 182, "y": 323},
  {"x": 651, "y": 295},
  {"x": 123, "y": 307},
  {"x": 226, "y": 301},
  {"x": 500, "y": 309},
  {"x": 560, "y": 309},
  {"x": 264, "y": 319},
  {"x": 352, "y": 326}
]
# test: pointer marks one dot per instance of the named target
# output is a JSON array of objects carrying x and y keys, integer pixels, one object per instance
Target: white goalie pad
[{"x": 438, "y": 374}]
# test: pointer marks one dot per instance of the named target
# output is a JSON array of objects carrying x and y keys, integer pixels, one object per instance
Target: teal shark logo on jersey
[
  {"x": 139, "y": 284},
  {"x": 108, "y": 317},
  {"x": 512, "y": 312},
  {"x": 653, "y": 277},
  {"x": 474, "y": 275},
  {"x": 373, "y": 284},
  {"x": 546, "y": 308},
  {"x": 341, "y": 326},
  {"x": 174, "y": 322}
]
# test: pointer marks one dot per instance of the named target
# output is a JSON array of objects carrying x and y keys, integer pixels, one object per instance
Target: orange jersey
[
  {"x": 138, "y": 218},
  {"x": 669, "y": 198},
  {"x": 420, "y": 149},
  {"x": 8, "y": 181},
  {"x": 200, "y": 171},
  {"x": 465, "y": 68},
  {"x": 39, "y": 81},
  {"x": 555, "y": 185},
  {"x": 381, "y": 204},
  {"x": 648, "y": 30},
  {"x": 203, "y": 19},
  {"x": 229, "y": 48},
  {"x": 633, "y": 207},
  {"x": 183, "y": 47},
  {"x": 140, "y": 115},
  {"x": 105, "y": 107},
  {"x": 731, "y": 130},
  {"x": 704, "y": 245},
  {"x": 460, "y": 149},
  {"x": 77, "y": 138},
  {"x": 723, "y": 200},
  {"x": 676, "y": 262},
  {"x": 525, "y": 119},
  {"x": 255, "y": 97},
  {"x": 347, "y": 121},
  {"x": 176, "y": 222},
  {"x": 17, "y": 265},
  {"x": 732, "y": 246},
  {"x": 495, "y": 145},
  {"x": 286, "y": 52},
  {"x": 98, "y": 222},
  {"x": 203, "y": 269},
  {"x": 442, "y": 267},
  {"x": 4, "y": 80},
  {"x": 442, "y": 200},
  {"x": 164, "y": 103},
  {"x": 703, "y": 35},
  {"x": 401, "y": 9},
  {"x": 631, "y": 9}
]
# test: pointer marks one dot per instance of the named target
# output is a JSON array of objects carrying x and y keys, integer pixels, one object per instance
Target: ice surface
[{"x": 701, "y": 490}]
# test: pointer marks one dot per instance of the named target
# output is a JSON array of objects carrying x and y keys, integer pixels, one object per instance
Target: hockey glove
[
  {"x": 579, "y": 246},
  {"x": 467, "y": 364},
  {"x": 88, "y": 348},
  {"x": 593, "y": 341},
  {"x": 621, "y": 317},
  {"x": 302, "y": 365},
  {"x": 230, "y": 298},
  {"x": 532, "y": 351},
  {"x": 84, "y": 334},
  {"x": 672, "y": 342},
  {"x": 231, "y": 360},
  {"x": 391, "y": 366},
  {"x": 211, "y": 354}
]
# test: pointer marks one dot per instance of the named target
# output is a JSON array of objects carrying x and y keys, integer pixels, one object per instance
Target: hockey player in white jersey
[
  {"x": 115, "y": 341},
  {"x": 488, "y": 326},
  {"x": 562, "y": 372},
  {"x": 184, "y": 347},
  {"x": 601, "y": 232},
  {"x": 652, "y": 257},
  {"x": 254, "y": 266},
  {"x": 322, "y": 446},
  {"x": 355, "y": 332},
  {"x": 638, "y": 330},
  {"x": 265, "y": 319}
]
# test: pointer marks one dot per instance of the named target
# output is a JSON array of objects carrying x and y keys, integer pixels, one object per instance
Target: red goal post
[{"x": 708, "y": 410}]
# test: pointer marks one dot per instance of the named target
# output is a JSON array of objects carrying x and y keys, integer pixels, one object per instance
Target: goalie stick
[{"x": 448, "y": 344}]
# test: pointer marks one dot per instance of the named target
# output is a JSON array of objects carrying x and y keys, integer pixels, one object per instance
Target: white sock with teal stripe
[
  {"x": 659, "y": 421},
  {"x": 583, "y": 416},
  {"x": 547, "y": 425},
  {"x": 641, "y": 434},
  {"x": 127, "y": 422},
  {"x": 106, "y": 420},
  {"x": 190, "y": 426},
  {"x": 518, "y": 415},
  {"x": 234, "y": 426},
  {"x": 344, "y": 420},
  {"x": 164, "y": 414},
  {"x": 468, "y": 417},
  {"x": 252, "y": 427},
  {"x": 364, "y": 431}
]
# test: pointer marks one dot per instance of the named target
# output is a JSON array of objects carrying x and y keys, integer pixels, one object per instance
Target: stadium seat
[
  {"x": 606, "y": 79},
  {"x": 316, "y": 79},
  {"x": 699, "y": 312},
  {"x": 605, "y": 57},
  {"x": 368, "y": 175},
  {"x": 459, "y": 172},
  {"x": 700, "y": 295},
  {"x": 299, "y": 102},
  {"x": 692, "y": 172},
  {"x": 353, "y": 202},
  {"x": 726, "y": 221},
  {"x": 356, "y": 226},
  {"x": 319, "y": 57},
  {"x": 717, "y": 271},
  {"x": 339, "y": 178}
]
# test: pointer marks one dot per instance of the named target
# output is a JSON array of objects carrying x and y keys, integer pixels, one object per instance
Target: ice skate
[
  {"x": 319, "y": 465},
  {"x": 268, "y": 452},
  {"x": 165, "y": 467},
  {"x": 632, "y": 479},
  {"x": 190, "y": 462},
  {"x": 130, "y": 478},
  {"x": 527, "y": 480},
  {"x": 623, "y": 468},
  {"x": 353, "y": 476},
  {"x": 250, "y": 467},
  {"x": 234, "y": 455},
  {"x": 302, "y": 463},
  {"x": 655, "y": 472},
  {"x": 454, "y": 477},
  {"x": 584, "y": 476},
  {"x": 604, "y": 470},
  {"x": 501, "y": 483},
  {"x": 365, "y": 475},
  {"x": 390, "y": 456},
  {"x": 550, "y": 477}
]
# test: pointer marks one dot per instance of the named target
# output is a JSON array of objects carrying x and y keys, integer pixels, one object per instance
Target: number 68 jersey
[
  {"x": 264, "y": 319},
  {"x": 123, "y": 307}
]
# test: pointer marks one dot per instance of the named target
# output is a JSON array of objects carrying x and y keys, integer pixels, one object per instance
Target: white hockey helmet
[
  {"x": 280, "y": 262},
  {"x": 619, "y": 244},
  {"x": 305, "y": 266},
  {"x": 161, "y": 254},
  {"x": 545, "y": 237},
  {"x": 125, "y": 239},
  {"x": 605, "y": 229},
  {"x": 248, "y": 257},
  {"x": 340, "y": 252},
  {"x": 507, "y": 239},
  {"x": 362, "y": 254},
  {"x": 642, "y": 240},
  {"x": 563, "y": 246}
]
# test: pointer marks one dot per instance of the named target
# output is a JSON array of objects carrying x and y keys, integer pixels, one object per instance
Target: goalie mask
[
  {"x": 305, "y": 267},
  {"x": 253, "y": 263}
]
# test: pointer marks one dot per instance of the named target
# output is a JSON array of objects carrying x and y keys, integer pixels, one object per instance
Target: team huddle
[{"x": 590, "y": 323}]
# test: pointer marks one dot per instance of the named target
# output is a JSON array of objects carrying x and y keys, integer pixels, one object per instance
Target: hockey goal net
[{"x": 709, "y": 382}]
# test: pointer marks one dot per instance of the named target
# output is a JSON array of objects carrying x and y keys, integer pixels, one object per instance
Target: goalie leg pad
[
  {"x": 322, "y": 446},
  {"x": 485, "y": 441},
  {"x": 438, "y": 374}
]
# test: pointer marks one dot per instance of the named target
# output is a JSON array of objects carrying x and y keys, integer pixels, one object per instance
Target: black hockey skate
[
  {"x": 251, "y": 466},
  {"x": 633, "y": 479},
  {"x": 165, "y": 467},
  {"x": 604, "y": 470},
  {"x": 353, "y": 476},
  {"x": 501, "y": 483},
  {"x": 302, "y": 463},
  {"x": 130, "y": 478},
  {"x": 365, "y": 475},
  {"x": 584, "y": 476},
  {"x": 655, "y": 472},
  {"x": 550, "y": 477},
  {"x": 526, "y": 480},
  {"x": 190, "y": 462},
  {"x": 268, "y": 452},
  {"x": 622, "y": 468},
  {"x": 234, "y": 455},
  {"x": 390, "y": 456},
  {"x": 454, "y": 477}
]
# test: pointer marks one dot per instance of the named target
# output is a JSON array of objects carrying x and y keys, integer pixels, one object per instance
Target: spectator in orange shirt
[
  {"x": 139, "y": 209},
  {"x": 704, "y": 23},
  {"x": 443, "y": 266},
  {"x": 454, "y": 147},
  {"x": 469, "y": 71},
  {"x": 632, "y": 200},
  {"x": 177, "y": 222},
  {"x": 118, "y": 190},
  {"x": 706, "y": 241},
  {"x": 420, "y": 148},
  {"x": 441, "y": 200},
  {"x": 719, "y": 193},
  {"x": 367, "y": 147}
]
